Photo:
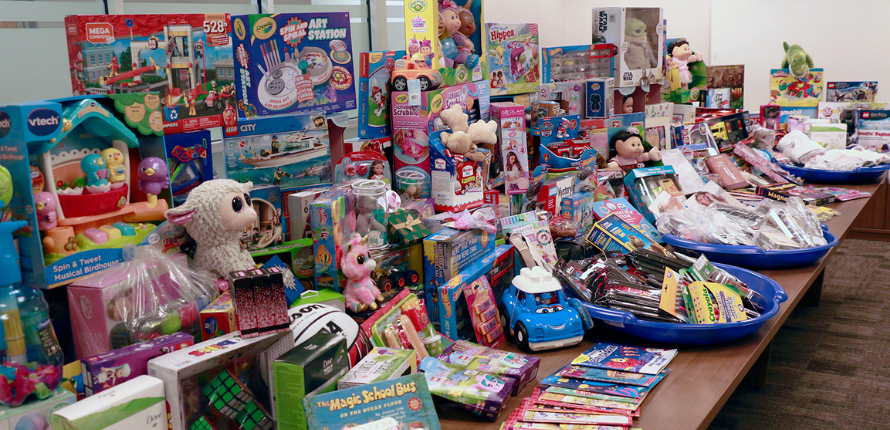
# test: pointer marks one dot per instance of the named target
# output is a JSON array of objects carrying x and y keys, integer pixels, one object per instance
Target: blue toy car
[{"x": 535, "y": 312}]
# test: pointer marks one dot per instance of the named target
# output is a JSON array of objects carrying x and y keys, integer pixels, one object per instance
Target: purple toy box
[
  {"x": 520, "y": 368},
  {"x": 106, "y": 370}
]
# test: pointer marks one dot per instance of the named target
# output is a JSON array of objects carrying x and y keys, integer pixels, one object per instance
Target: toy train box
[
  {"x": 75, "y": 173},
  {"x": 288, "y": 151},
  {"x": 375, "y": 71},
  {"x": 186, "y": 58},
  {"x": 512, "y": 58},
  {"x": 189, "y": 162},
  {"x": 293, "y": 63}
]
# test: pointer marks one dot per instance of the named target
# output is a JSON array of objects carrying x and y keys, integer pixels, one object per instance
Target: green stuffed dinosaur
[{"x": 797, "y": 60}]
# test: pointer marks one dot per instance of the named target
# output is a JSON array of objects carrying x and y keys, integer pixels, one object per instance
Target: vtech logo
[
  {"x": 5, "y": 124},
  {"x": 43, "y": 122}
]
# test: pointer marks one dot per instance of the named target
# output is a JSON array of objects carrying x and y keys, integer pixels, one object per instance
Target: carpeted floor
[{"x": 828, "y": 368}]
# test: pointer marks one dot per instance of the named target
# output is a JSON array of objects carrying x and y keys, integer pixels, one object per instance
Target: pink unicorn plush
[{"x": 356, "y": 262}]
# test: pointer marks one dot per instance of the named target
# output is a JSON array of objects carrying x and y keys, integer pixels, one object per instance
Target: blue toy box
[
  {"x": 554, "y": 129},
  {"x": 293, "y": 63},
  {"x": 600, "y": 96},
  {"x": 578, "y": 209},
  {"x": 447, "y": 253},
  {"x": 558, "y": 165},
  {"x": 333, "y": 221},
  {"x": 189, "y": 162},
  {"x": 73, "y": 164},
  {"x": 288, "y": 151},
  {"x": 456, "y": 185},
  {"x": 375, "y": 71}
]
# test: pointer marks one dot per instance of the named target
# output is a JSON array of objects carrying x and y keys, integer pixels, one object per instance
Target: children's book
[
  {"x": 605, "y": 355},
  {"x": 397, "y": 403},
  {"x": 595, "y": 387},
  {"x": 609, "y": 375},
  {"x": 585, "y": 402},
  {"x": 635, "y": 401}
]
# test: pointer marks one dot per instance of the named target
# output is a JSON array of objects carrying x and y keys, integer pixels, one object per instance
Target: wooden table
[{"x": 701, "y": 378}]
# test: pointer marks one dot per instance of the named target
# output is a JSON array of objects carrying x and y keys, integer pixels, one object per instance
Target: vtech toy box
[
  {"x": 186, "y": 58},
  {"x": 293, "y": 63}
]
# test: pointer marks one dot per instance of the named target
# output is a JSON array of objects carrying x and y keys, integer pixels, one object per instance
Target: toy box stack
[
  {"x": 447, "y": 253},
  {"x": 293, "y": 63},
  {"x": 512, "y": 58},
  {"x": 83, "y": 193},
  {"x": 638, "y": 34},
  {"x": 186, "y": 58}
]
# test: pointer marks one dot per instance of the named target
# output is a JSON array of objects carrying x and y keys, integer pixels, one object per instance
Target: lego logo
[
  {"x": 866, "y": 115},
  {"x": 99, "y": 32}
]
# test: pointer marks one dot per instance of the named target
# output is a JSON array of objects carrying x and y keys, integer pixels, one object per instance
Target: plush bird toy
[{"x": 153, "y": 178}]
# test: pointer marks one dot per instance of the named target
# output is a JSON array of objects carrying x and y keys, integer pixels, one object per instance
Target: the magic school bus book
[{"x": 404, "y": 403}]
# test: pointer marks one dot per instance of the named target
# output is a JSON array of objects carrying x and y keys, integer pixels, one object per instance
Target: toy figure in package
[{"x": 293, "y": 63}]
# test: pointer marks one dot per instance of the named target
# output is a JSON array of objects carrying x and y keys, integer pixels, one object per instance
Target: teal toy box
[
  {"x": 89, "y": 177},
  {"x": 333, "y": 222},
  {"x": 447, "y": 253}
]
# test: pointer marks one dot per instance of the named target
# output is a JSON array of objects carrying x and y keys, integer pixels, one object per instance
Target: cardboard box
[
  {"x": 308, "y": 369},
  {"x": 138, "y": 403},
  {"x": 288, "y": 151},
  {"x": 787, "y": 90},
  {"x": 269, "y": 50},
  {"x": 35, "y": 415},
  {"x": 576, "y": 63},
  {"x": 269, "y": 229},
  {"x": 189, "y": 162},
  {"x": 380, "y": 364},
  {"x": 298, "y": 205},
  {"x": 873, "y": 129},
  {"x": 851, "y": 91},
  {"x": 569, "y": 95},
  {"x": 577, "y": 208},
  {"x": 640, "y": 59},
  {"x": 831, "y": 136},
  {"x": 325, "y": 297},
  {"x": 519, "y": 367},
  {"x": 512, "y": 140},
  {"x": 218, "y": 318},
  {"x": 329, "y": 231},
  {"x": 467, "y": 307},
  {"x": 599, "y": 99},
  {"x": 186, "y": 58},
  {"x": 179, "y": 371},
  {"x": 447, "y": 252},
  {"x": 658, "y": 125},
  {"x": 512, "y": 58},
  {"x": 456, "y": 183},
  {"x": 107, "y": 370},
  {"x": 375, "y": 71}
]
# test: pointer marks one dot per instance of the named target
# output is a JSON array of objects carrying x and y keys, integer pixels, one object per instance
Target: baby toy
[
  {"x": 153, "y": 178},
  {"x": 626, "y": 151},
  {"x": 356, "y": 262},
  {"x": 639, "y": 53},
  {"x": 457, "y": 47},
  {"x": 46, "y": 210},
  {"x": 366, "y": 219},
  {"x": 679, "y": 57},
  {"x": 460, "y": 147},
  {"x": 215, "y": 214},
  {"x": 797, "y": 60},
  {"x": 114, "y": 162}
]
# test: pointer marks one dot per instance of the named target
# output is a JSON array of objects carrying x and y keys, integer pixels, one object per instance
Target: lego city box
[
  {"x": 186, "y": 58},
  {"x": 293, "y": 63},
  {"x": 291, "y": 152},
  {"x": 89, "y": 177}
]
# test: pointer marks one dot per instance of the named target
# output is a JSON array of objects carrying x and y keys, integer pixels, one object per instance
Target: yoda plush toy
[
  {"x": 797, "y": 60},
  {"x": 639, "y": 53}
]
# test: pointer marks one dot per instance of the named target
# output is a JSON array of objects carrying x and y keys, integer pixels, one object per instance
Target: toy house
[{"x": 88, "y": 181}]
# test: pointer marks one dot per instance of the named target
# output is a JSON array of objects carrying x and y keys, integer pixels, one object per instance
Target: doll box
[
  {"x": 599, "y": 100},
  {"x": 308, "y": 369},
  {"x": 512, "y": 138},
  {"x": 178, "y": 369},
  {"x": 422, "y": 29},
  {"x": 375, "y": 71},
  {"x": 269, "y": 229},
  {"x": 658, "y": 125},
  {"x": 380, "y": 364},
  {"x": 288, "y": 151},
  {"x": 512, "y": 58},
  {"x": 293, "y": 63},
  {"x": 63, "y": 241},
  {"x": 138, "y": 403},
  {"x": 34, "y": 415},
  {"x": 186, "y": 58},
  {"x": 456, "y": 184},
  {"x": 113, "y": 368},
  {"x": 189, "y": 162},
  {"x": 467, "y": 306},
  {"x": 569, "y": 95},
  {"x": 644, "y": 185},
  {"x": 218, "y": 318},
  {"x": 639, "y": 59}
]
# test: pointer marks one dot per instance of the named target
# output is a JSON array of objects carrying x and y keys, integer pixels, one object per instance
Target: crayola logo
[
  {"x": 240, "y": 31},
  {"x": 264, "y": 28},
  {"x": 436, "y": 103},
  {"x": 402, "y": 98}
]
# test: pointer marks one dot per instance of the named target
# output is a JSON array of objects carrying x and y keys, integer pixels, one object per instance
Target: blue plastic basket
[
  {"x": 753, "y": 257},
  {"x": 862, "y": 174},
  {"x": 696, "y": 334}
]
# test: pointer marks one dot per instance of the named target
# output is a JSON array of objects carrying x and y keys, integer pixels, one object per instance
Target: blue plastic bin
[
  {"x": 696, "y": 334},
  {"x": 753, "y": 257},
  {"x": 860, "y": 175}
]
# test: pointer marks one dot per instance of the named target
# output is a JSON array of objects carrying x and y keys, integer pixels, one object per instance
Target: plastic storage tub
[
  {"x": 753, "y": 257},
  {"x": 862, "y": 174},
  {"x": 696, "y": 334}
]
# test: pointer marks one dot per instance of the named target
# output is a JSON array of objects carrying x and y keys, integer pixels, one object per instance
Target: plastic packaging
[
  {"x": 370, "y": 211},
  {"x": 32, "y": 359},
  {"x": 146, "y": 296}
]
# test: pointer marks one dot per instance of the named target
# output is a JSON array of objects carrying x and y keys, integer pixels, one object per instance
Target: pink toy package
[
  {"x": 103, "y": 371},
  {"x": 141, "y": 299},
  {"x": 513, "y": 148},
  {"x": 412, "y": 125}
]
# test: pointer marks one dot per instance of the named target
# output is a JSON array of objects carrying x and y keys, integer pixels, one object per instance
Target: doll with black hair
[
  {"x": 626, "y": 151},
  {"x": 679, "y": 56}
]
